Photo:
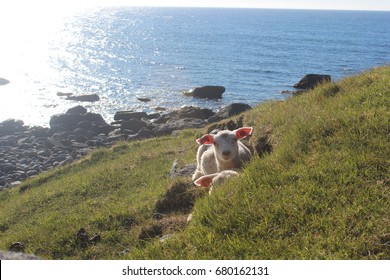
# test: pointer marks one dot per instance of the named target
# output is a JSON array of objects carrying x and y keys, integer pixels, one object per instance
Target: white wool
[{"x": 223, "y": 151}]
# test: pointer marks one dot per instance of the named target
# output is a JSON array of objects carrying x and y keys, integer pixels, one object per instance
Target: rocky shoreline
[{"x": 27, "y": 151}]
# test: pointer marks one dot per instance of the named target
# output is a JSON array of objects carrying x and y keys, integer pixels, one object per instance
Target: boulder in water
[
  {"x": 210, "y": 92},
  {"x": 84, "y": 98}
]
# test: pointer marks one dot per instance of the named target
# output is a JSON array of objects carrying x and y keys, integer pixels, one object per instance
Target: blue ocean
[{"x": 123, "y": 54}]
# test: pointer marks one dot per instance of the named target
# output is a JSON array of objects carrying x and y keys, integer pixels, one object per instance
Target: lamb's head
[{"x": 225, "y": 142}]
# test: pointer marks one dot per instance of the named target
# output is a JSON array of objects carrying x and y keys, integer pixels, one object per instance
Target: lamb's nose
[{"x": 226, "y": 153}]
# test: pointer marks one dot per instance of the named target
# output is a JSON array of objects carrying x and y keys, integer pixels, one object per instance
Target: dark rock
[
  {"x": 128, "y": 132},
  {"x": 83, "y": 151},
  {"x": 4, "y": 143},
  {"x": 186, "y": 112},
  {"x": 153, "y": 116},
  {"x": 64, "y": 93},
  {"x": 312, "y": 80},
  {"x": 84, "y": 98},
  {"x": 11, "y": 126},
  {"x": 178, "y": 124},
  {"x": 117, "y": 137},
  {"x": 128, "y": 115},
  {"x": 81, "y": 132},
  {"x": 61, "y": 135},
  {"x": 144, "y": 99},
  {"x": 77, "y": 145},
  {"x": 232, "y": 110},
  {"x": 77, "y": 110},
  {"x": 52, "y": 143},
  {"x": 94, "y": 117},
  {"x": 102, "y": 129},
  {"x": 22, "y": 142},
  {"x": 144, "y": 133},
  {"x": 3, "y": 81},
  {"x": 7, "y": 167},
  {"x": 186, "y": 171},
  {"x": 194, "y": 113},
  {"x": 31, "y": 173},
  {"x": 17, "y": 247},
  {"x": 133, "y": 124},
  {"x": 68, "y": 122},
  {"x": 82, "y": 238},
  {"x": 10, "y": 140},
  {"x": 85, "y": 125},
  {"x": 211, "y": 92}
]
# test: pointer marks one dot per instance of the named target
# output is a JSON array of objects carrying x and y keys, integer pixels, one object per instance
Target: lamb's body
[{"x": 222, "y": 151}]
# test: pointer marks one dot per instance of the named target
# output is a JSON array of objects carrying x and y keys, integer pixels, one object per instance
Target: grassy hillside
[{"x": 320, "y": 189}]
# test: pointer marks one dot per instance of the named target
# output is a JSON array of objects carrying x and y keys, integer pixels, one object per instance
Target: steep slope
[{"x": 320, "y": 189}]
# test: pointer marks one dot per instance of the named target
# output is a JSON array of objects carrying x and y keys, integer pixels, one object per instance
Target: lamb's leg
[
  {"x": 199, "y": 170},
  {"x": 197, "y": 174}
]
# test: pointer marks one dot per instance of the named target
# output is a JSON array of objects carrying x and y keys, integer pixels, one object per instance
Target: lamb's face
[
  {"x": 225, "y": 145},
  {"x": 225, "y": 142}
]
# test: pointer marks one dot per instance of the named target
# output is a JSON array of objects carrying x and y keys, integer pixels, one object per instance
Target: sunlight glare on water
[
  {"x": 25, "y": 44},
  {"x": 157, "y": 53}
]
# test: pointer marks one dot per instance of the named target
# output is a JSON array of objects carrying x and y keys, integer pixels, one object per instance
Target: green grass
[{"x": 320, "y": 191}]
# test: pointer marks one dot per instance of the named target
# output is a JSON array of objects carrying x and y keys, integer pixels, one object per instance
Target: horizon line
[{"x": 240, "y": 7}]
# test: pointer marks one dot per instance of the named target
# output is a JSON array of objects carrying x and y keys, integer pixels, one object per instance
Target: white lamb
[
  {"x": 215, "y": 179},
  {"x": 220, "y": 152}
]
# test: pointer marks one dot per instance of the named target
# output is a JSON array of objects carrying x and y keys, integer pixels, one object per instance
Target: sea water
[{"x": 123, "y": 54}]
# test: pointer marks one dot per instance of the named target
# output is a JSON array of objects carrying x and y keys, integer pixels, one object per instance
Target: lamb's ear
[
  {"x": 204, "y": 181},
  {"x": 243, "y": 132},
  {"x": 205, "y": 139}
]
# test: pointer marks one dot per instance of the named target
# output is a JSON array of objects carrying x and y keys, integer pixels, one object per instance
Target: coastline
[{"x": 28, "y": 151}]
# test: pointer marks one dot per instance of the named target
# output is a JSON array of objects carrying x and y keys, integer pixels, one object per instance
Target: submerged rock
[
  {"x": 84, "y": 98},
  {"x": 144, "y": 99},
  {"x": 64, "y": 93}
]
